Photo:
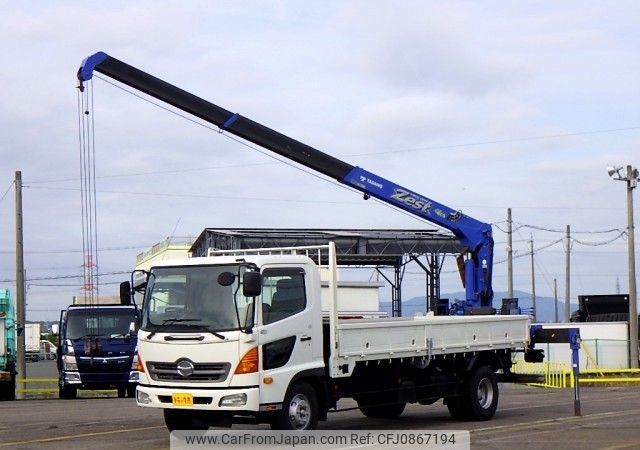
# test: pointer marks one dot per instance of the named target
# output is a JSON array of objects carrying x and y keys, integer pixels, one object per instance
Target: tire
[
  {"x": 122, "y": 392},
  {"x": 67, "y": 392},
  {"x": 479, "y": 398},
  {"x": 383, "y": 412},
  {"x": 179, "y": 419},
  {"x": 299, "y": 409},
  {"x": 131, "y": 391}
]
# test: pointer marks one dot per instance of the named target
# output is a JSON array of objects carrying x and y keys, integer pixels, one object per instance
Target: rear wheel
[
  {"x": 483, "y": 405},
  {"x": 479, "y": 398},
  {"x": 131, "y": 391},
  {"x": 299, "y": 409},
  {"x": 122, "y": 392}
]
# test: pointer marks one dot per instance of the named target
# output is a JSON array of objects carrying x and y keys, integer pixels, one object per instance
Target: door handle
[{"x": 305, "y": 338}]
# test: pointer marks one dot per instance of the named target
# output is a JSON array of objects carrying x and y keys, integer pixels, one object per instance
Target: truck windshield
[
  {"x": 106, "y": 322},
  {"x": 189, "y": 298}
]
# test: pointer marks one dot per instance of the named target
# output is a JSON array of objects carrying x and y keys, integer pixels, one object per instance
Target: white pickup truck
[{"x": 240, "y": 336}]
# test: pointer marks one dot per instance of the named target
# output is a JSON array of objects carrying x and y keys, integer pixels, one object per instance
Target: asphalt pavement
[{"x": 527, "y": 418}]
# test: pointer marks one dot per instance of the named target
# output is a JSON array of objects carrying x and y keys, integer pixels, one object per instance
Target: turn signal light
[
  {"x": 248, "y": 363},
  {"x": 139, "y": 365}
]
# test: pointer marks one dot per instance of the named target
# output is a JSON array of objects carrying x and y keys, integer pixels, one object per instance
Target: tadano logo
[{"x": 375, "y": 183}]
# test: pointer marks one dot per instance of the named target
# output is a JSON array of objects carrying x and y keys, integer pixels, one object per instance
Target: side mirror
[
  {"x": 251, "y": 284},
  {"x": 125, "y": 293},
  {"x": 55, "y": 329},
  {"x": 132, "y": 328}
]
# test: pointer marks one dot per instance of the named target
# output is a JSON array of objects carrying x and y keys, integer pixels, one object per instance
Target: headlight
[
  {"x": 134, "y": 363},
  {"x": 69, "y": 362},
  {"x": 233, "y": 400},
  {"x": 143, "y": 397}
]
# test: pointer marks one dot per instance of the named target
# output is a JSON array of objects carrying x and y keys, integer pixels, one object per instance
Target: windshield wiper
[
  {"x": 169, "y": 322},
  {"x": 209, "y": 330}
]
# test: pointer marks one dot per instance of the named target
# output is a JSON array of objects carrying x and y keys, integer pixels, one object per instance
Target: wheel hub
[
  {"x": 299, "y": 412},
  {"x": 485, "y": 393}
]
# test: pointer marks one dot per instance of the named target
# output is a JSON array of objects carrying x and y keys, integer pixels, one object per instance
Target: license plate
[{"x": 182, "y": 399}]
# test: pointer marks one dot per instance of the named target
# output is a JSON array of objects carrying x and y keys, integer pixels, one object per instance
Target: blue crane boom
[{"x": 476, "y": 260}]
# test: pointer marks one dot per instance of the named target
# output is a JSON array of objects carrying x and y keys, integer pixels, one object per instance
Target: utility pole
[
  {"x": 567, "y": 275},
  {"x": 631, "y": 178},
  {"x": 555, "y": 298},
  {"x": 509, "y": 255},
  {"x": 533, "y": 283},
  {"x": 632, "y": 181},
  {"x": 20, "y": 290}
]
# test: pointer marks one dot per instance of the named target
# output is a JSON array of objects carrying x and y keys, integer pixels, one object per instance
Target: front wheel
[{"x": 299, "y": 409}]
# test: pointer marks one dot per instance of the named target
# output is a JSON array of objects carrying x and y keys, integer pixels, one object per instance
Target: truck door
[{"x": 289, "y": 339}]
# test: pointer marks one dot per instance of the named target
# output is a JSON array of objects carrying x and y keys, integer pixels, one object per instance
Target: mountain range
[{"x": 544, "y": 305}]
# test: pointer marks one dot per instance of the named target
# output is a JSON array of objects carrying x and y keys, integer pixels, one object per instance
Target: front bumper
[
  {"x": 99, "y": 380},
  {"x": 203, "y": 399}
]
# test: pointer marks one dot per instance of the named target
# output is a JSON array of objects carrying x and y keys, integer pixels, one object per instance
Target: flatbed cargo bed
[{"x": 427, "y": 336}]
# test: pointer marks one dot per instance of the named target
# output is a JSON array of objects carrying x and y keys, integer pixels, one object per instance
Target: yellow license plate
[{"x": 182, "y": 399}]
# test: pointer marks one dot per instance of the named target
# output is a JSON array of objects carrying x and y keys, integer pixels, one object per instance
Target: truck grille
[
  {"x": 99, "y": 364},
  {"x": 202, "y": 372}
]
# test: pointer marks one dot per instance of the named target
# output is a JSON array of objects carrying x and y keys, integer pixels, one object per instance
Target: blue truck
[
  {"x": 98, "y": 349},
  {"x": 7, "y": 347}
]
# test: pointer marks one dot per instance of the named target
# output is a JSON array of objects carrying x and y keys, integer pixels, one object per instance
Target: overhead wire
[
  {"x": 88, "y": 192},
  {"x": 7, "y": 190}
]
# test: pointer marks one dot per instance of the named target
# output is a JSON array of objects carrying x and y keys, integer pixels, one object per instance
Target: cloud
[{"x": 457, "y": 83}]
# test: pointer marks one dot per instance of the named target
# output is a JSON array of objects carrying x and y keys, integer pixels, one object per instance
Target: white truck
[
  {"x": 240, "y": 336},
  {"x": 232, "y": 336},
  {"x": 32, "y": 341}
]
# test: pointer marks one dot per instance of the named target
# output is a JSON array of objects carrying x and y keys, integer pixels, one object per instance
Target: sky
[{"x": 481, "y": 106}]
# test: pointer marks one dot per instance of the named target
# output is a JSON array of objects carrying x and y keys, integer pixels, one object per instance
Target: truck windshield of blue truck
[
  {"x": 198, "y": 298},
  {"x": 111, "y": 323}
]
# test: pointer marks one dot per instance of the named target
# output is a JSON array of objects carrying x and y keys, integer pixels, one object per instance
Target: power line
[
  {"x": 501, "y": 141},
  {"x": 157, "y": 172},
  {"x": 552, "y": 230},
  {"x": 64, "y": 277},
  {"x": 217, "y": 197},
  {"x": 7, "y": 191},
  {"x": 106, "y": 249}
]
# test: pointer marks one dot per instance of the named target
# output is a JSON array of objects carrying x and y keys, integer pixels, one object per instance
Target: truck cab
[
  {"x": 7, "y": 347},
  {"x": 231, "y": 348},
  {"x": 97, "y": 349}
]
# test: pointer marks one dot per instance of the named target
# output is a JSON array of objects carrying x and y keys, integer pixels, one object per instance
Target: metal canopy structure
[{"x": 354, "y": 247}]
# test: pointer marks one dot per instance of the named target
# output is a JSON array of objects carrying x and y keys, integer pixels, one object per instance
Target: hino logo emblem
[
  {"x": 185, "y": 368},
  {"x": 409, "y": 199}
]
